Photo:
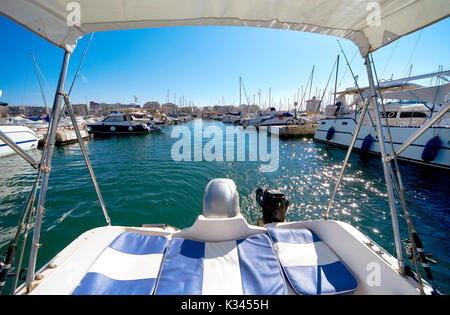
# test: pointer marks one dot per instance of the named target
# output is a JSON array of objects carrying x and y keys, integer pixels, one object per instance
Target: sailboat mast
[
  {"x": 335, "y": 83},
  {"x": 39, "y": 79}
]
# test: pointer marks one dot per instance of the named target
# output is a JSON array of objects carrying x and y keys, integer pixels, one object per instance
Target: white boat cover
[
  {"x": 431, "y": 95},
  {"x": 369, "y": 24}
]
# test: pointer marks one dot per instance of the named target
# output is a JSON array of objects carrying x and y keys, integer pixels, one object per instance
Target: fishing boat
[
  {"x": 118, "y": 125},
  {"x": 221, "y": 253},
  {"x": 401, "y": 117}
]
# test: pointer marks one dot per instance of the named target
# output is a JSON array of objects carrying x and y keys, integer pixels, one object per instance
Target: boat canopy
[{"x": 369, "y": 24}]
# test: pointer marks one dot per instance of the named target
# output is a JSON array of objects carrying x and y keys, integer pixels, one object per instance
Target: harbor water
[{"x": 142, "y": 184}]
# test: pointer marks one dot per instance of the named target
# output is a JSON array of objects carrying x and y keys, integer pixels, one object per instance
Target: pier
[
  {"x": 64, "y": 136},
  {"x": 307, "y": 129}
]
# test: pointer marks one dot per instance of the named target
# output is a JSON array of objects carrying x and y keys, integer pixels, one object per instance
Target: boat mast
[
  {"x": 335, "y": 83},
  {"x": 39, "y": 79},
  {"x": 240, "y": 94}
]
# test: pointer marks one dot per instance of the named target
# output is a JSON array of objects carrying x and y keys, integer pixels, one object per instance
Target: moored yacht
[
  {"x": 280, "y": 119},
  {"x": 401, "y": 118},
  {"x": 231, "y": 118},
  {"x": 23, "y": 136},
  {"x": 118, "y": 125}
]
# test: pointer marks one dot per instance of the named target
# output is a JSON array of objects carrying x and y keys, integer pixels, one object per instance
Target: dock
[{"x": 307, "y": 129}]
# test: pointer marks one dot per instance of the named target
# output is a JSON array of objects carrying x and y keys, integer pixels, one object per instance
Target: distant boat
[
  {"x": 231, "y": 118},
  {"x": 161, "y": 119},
  {"x": 118, "y": 125},
  {"x": 280, "y": 119}
]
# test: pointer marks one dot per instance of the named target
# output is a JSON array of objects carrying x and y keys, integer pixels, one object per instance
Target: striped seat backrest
[
  {"x": 246, "y": 266},
  {"x": 310, "y": 266},
  {"x": 129, "y": 265}
]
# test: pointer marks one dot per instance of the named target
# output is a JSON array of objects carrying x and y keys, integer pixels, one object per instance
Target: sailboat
[{"x": 221, "y": 253}]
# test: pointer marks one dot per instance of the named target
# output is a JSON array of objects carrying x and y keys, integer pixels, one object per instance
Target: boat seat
[
  {"x": 245, "y": 266},
  {"x": 129, "y": 265},
  {"x": 310, "y": 266}
]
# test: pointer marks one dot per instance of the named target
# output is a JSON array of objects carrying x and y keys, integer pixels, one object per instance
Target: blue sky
[{"x": 203, "y": 64}]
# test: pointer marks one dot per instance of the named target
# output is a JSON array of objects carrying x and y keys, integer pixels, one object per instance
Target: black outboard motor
[{"x": 274, "y": 205}]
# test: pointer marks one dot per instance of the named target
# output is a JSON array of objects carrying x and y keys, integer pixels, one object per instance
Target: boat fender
[
  {"x": 431, "y": 149},
  {"x": 280, "y": 117},
  {"x": 367, "y": 143},
  {"x": 164, "y": 118},
  {"x": 130, "y": 128},
  {"x": 330, "y": 133},
  {"x": 112, "y": 128}
]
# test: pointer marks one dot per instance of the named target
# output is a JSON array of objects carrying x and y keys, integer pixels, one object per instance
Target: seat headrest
[{"x": 221, "y": 199}]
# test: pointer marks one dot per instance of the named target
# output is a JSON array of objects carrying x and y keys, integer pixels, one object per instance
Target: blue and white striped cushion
[
  {"x": 309, "y": 264},
  {"x": 247, "y": 266},
  {"x": 129, "y": 265}
]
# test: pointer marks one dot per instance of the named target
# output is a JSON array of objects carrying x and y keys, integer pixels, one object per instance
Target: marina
[
  {"x": 305, "y": 175},
  {"x": 257, "y": 198}
]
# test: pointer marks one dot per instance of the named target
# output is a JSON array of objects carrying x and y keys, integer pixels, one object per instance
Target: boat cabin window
[
  {"x": 109, "y": 118},
  {"x": 389, "y": 114},
  {"x": 413, "y": 115}
]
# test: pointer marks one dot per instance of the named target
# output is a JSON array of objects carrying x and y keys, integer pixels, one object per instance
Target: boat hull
[
  {"x": 23, "y": 136},
  {"x": 345, "y": 127},
  {"x": 103, "y": 130}
]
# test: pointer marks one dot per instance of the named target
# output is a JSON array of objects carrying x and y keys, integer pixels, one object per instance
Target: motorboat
[
  {"x": 221, "y": 253},
  {"x": 231, "y": 118},
  {"x": 118, "y": 125},
  {"x": 161, "y": 119},
  {"x": 22, "y": 136},
  {"x": 279, "y": 119}
]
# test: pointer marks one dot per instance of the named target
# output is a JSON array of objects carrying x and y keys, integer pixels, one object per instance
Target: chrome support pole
[
  {"x": 46, "y": 171},
  {"x": 420, "y": 132},
  {"x": 86, "y": 158},
  {"x": 8, "y": 141},
  {"x": 349, "y": 151},
  {"x": 386, "y": 171}
]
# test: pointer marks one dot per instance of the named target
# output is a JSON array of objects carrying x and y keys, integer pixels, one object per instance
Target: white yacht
[
  {"x": 400, "y": 118},
  {"x": 221, "y": 253},
  {"x": 23, "y": 136}
]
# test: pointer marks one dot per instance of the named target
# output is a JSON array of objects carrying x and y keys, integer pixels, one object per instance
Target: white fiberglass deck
[{"x": 224, "y": 256}]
